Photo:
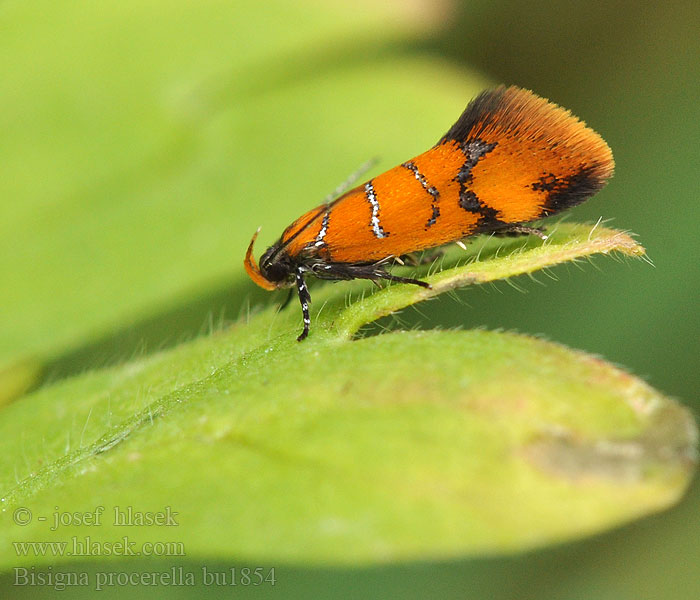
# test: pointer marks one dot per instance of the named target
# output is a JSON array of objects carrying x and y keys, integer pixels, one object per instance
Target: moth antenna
[{"x": 352, "y": 178}]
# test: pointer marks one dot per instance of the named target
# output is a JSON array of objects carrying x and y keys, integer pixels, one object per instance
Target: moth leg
[
  {"x": 395, "y": 279},
  {"x": 517, "y": 230},
  {"x": 372, "y": 272},
  {"x": 305, "y": 299}
]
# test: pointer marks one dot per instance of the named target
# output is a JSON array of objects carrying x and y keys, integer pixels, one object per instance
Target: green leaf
[{"x": 400, "y": 446}]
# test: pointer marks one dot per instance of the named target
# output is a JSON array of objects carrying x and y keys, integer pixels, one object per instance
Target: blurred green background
[{"x": 144, "y": 142}]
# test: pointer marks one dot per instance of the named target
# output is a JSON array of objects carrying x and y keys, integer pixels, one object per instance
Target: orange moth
[{"x": 511, "y": 158}]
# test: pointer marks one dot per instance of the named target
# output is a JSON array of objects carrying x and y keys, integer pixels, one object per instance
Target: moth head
[{"x": 276, "y": 269}]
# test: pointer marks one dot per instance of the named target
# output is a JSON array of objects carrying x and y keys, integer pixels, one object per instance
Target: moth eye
[{"x": 276, "y": 272}]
